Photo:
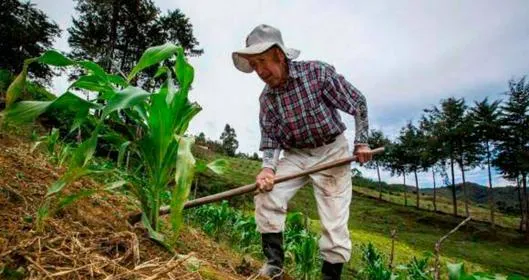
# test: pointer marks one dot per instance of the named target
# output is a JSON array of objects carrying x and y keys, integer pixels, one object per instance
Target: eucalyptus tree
[
  {"x": 26, "y": 32},
  {"x": 513, "y": 156},
  {"x": 115, "y": 33},
  {"x": 397, "y": 164},
  {"x": 448, "y": 128},
  {"x": 431, "y": 156},
  {"x": 487, "y": 126},
  {"x": 378, "y": 139},
  {"x": 412, "y": 143}
]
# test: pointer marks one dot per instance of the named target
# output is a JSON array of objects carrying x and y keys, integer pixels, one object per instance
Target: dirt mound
[{"x": 91, "y": 239}]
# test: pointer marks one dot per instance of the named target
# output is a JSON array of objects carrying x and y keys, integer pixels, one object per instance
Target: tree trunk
[
  {"x": 379, "y": 182},
  {"x": 524, "y": 183},
  {"x": 417, "y": 186},
  {"x": 434, "y": 191},
  {"x": 116, "y": 7},
  {"x": 405, "y": 190},
  {"x": 464, "y": 186},
  {"x": 491, "y": 194},
  {"x": 454, "y": 199},
  {"x": 521, "y": 203}
]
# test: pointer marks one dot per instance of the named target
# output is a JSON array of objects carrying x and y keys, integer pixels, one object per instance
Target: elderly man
[{"x": 299, "y": 116}]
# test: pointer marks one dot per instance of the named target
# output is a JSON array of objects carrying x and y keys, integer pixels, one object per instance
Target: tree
[
  {"x": 26, "y": 32},
  {"x": 487, "y": 127},
  {"x": 397, "y": 164},
  {"x": 114, "y": 33},
  {"x": 201, "y": 139},
  {"x": 469, "y": 152},
  {"x": 377, "y": 139},
  {"x": 431, "y": 156},
  {"x": 229, "y": 140},
  {"x": 411, "y": 140},
  {"x": 513, "y": 157},
  {"x": 448, "y": 128}
]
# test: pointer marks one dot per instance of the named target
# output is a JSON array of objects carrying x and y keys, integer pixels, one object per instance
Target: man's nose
[{"x": 261, "y": 71}]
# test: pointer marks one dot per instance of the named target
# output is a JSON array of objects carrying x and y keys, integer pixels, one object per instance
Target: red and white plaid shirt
[{"x": 303, "y": 112}]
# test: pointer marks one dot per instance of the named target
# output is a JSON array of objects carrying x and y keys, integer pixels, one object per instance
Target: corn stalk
[{"x": 160, "y": 119}]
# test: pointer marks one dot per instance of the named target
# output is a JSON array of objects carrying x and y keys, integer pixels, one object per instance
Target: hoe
[{"x": 252, "y": 187}]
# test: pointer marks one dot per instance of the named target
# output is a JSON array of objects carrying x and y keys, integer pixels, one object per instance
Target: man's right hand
[{"x": 265, "y": 180}]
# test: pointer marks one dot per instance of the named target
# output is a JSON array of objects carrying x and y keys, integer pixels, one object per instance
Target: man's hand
[
  {"x": 363, "y": 153},
  {"x": 265, "y": 180}
]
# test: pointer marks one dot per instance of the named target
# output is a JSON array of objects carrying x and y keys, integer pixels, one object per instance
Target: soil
[{"x": 91, "y": 239}]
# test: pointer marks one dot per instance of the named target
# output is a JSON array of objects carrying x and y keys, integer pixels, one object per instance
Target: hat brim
[{"x": 242, "y": 63}]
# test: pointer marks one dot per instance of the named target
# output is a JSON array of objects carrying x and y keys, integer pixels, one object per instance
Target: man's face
[{"x": 270, "y": 66}]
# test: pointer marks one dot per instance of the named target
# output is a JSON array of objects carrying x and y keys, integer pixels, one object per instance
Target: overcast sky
[{"x": 403, "y": 55}]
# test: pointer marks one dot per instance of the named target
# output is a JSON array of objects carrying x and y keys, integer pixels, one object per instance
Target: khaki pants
[{"x": 332, "y": 189}]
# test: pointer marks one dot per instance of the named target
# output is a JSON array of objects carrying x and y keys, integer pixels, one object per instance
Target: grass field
[{"x": 372, "y": 220}]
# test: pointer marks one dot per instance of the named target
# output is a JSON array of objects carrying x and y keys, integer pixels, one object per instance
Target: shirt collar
[{"x": 293, "y": 71}]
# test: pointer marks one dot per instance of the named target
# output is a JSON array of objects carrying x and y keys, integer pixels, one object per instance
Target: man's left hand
[{"x": 363, "y": 153}]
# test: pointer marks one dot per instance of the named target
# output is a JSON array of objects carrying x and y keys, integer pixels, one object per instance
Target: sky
[{"x": 403, "y": 55}]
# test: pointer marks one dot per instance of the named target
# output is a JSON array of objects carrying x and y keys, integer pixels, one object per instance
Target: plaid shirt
[{"x": 303, "y": 112}]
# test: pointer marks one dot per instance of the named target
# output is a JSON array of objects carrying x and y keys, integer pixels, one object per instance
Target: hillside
[
  {"x": 91, "y": 240},
  {"x": 506, "y": 198},
  {"x": 417, "y": 230}
]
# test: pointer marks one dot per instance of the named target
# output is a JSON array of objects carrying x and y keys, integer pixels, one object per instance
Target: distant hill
[{"x": 506, "y": 198}]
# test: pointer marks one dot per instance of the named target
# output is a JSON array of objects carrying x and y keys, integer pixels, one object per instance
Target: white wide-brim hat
[{"x": 261, "y": 39}]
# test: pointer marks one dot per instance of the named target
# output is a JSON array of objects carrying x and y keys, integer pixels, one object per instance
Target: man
[{"x": 299, "y": 116}]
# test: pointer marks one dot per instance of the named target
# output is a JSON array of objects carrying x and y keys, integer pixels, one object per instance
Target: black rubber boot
[
  {"x": 275, "y": 256},
  {"x": 331, "y": 271}
]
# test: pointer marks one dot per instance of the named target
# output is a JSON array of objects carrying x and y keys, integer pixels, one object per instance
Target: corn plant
[
  {"x": 456, "y": 271},
  {"x": 375, "y": 267},
  {"x": 416, "y": 269},
  {"x": 305, "y": 255},
  {"x": 157, "y": 122}
]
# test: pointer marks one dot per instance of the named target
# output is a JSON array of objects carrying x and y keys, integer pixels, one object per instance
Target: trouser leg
[
  {"x": 270, "y": 214},
  {"x": 333, "y": 192}
]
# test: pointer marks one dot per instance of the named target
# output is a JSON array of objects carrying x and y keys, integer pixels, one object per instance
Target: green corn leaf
[
  {"x": 84, "y": 153},
  {"x": 184, "y": 71},
  {"x": 71, "y": 102},
  {"x": 161, "y": 71},
  {"x": 455, "y": 270},
  {"x": 142, "y": 112},
  {"x": 126, "y": 98},
  {"x": 154, "y": 235},
  {"x": 34, "y": 146},
  {"x": 185, "y": 166},
  {"x": 65, "y": 201},
  {"x": 122, "y": 149},
  {"x": 69, "y": 177},
  {"x": 218, "y": 166},
  {"x": 92, "y": 83},
  {"x": 117, "y": 80},
  {"x": 151, "y": 56},
  {"x": 189, "y": 112},
  {"x": 200, "y": 166},
  {"x": 25, "y": 111},
  {"x": 55, "y": 58},
  {"x": 15, "y": 88},
  {"x": 114, "y": 185},
  {"x": 94, "y": 68}
]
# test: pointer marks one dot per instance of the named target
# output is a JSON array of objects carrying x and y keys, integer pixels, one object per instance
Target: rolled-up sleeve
[{"x": 345, "y": 97}]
